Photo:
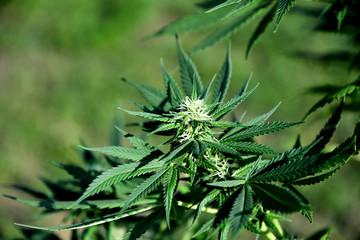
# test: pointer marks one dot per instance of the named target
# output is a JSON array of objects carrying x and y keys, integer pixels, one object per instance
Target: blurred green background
[{"x": 61, "y": 64}]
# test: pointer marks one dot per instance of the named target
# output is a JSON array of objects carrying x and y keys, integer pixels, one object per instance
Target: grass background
[{"x": 61, "y": 64}]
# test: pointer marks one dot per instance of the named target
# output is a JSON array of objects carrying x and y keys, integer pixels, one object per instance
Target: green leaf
[
  {"x": 334, "y": 95},
  {"x": 223, "y": 81},
  {"x": 117, "y": 174},
  {"x": 177, "y": 152},
  {"x": 224, "y": 4},
  {"x": 122, "y": 152},
  {"x": 205, "y": 227},
  {"x": 250, "y": 147},
  {"x": 153, "y": 95},
  {"x": 138, "y": 143},
  {"x": 327, "y": 132},
  {"x": 284, "y": 7},
  {"x": 264, "y": 23},
  {"x": 141, "y": 226},
  {"x": 222, "y": 148},
  {"x": 231, "y": 104},
  {"x": 210, "y": 197},
  {"x": 188, "y": 72},
  {"x": 262, "y": 118},
  {"x": 151, "y": 116},
  {"x": 228, "y": 29},
  {"x": 277, "y": 198},
  {"x": 316, "y": 179},
  {"x": 193, "y": 22},
  {"x": 228, "y": 183},
  {"x": 143, "y": 189},
  {"x": 288, "y": 171},
  {"x": 224, "y": 230},
  {"x": 165, "y": 127},
  {"x": 173, "y": 91},
  {"x": 169, "y": 189},
  {"x": 90, "y": 223},
  {"x": 258, "y": 130},
  {"x": 89, "y": 204},
  {"x": 241, "y": 210}
]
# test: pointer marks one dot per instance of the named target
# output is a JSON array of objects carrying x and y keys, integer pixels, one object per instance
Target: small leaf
[
  {"x": 277, "y": 198},
  {"x": 151, "y": 116},
  {"x": 117, "y": 174},
  {"x": 205, "y": 227},
  {"x": 169, "y": 189},
  {"x": 231, "y": 104},
  {"x": 264, "y": 23},
  {"x": 228, "y": 29},
  {"x": 210, "y": 197},
  {"x": 327, "y": 132},
  {"x": 316, "y": 179},
  {"x": 153, "y": 95},
  {"x": 284, "y": 7},
  {"x": 141, "y": 226},
  {"x": 189, "y": 73},
  {"x": 222, "y": 148},
  {"x": 228, "y": 183},
  {"x": 260, "y": 119},
  {"x": 143, "y": 189},
  {"x": 90, "y": 223},
  {"x": 223, "y": 81},
  {"x": 258, "y": 130},
  {"x": 173, "y": 91},
  {"x": 121, "y": 152},
  {"x": 250, "y": 147},
  {"x": 241, "y": 210}
]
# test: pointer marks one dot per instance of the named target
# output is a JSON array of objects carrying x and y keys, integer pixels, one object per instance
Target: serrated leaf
[
  {"x": 258, "y": 130},
  {"x": 241, "y": 210},
  {"x": 222, "y": 148},
  {"x": 334, "y": 95},
  {"x": 210, "y": 197},
  {"x": 173, "y": 91},
  {"x": 169, "y": 189},
  {"x": 193, "y": 22},
  {"x": 250, "y": 147},
  {"x": 223, "y": 81},
  {"x": 135, "y": 141},
  {"x": 90, "y": 223},
  {"x": 143, "y": 189},
  {"x": 260, "y": 119},
  {"x": 240, "y": 4},
  {"x": 316, "y": 179},
  {"x": 264, "y": 23},
  {"x": 153, "y": 95},
  {"x": 117, "y": 174},
  {"x": 284, "y": 7},
  {"x": 288, "y": 171},
  {"x": 89, "y": 204},
  {"x": 177, "y": 152},
  {"x": 277, "y": 198},
  {"x": 141, "y": 226},
  {"x": 205, "y": 95},
  {"x": 231, "y": 104},
  {"x": 151, "y": 116},
  {"x": 224, "y": 230},
  {"x": 188, "y": 72},
  {"x": 327, "y": 131},
  {"x": 165, "y": 127},
  {"x": 205, "y": 227},
  {"x": 228, "y": 29},
  {"x": 122, "y": 152},
  {"x": 228, "y": 183}
]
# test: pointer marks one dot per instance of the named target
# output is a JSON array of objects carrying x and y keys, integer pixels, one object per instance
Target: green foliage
[{"x": 206, "y": 164}]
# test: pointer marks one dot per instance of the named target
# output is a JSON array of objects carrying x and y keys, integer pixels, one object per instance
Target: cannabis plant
[{"x": 206, "y": 164}]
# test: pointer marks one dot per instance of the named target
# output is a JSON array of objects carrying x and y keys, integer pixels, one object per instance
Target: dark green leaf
[
  {"x": 189, "y": 73},
  {"x": 223, "y": 81},
  {"x": 284, "y": 7},
  {"x": 143, "y": 189},
  {"x": 264, "y": 23},
  {"x": 169, "y": 189},
  {"x": 277, "y": 198},
  {"x": 210, "y": 197},
  {"x": 153, "y": 95},
  {"x": 241, "y": 210},
  {"x": 122, "y": 152}
]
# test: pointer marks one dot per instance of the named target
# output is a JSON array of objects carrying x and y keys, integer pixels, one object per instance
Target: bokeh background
[{"x": 61, "y": 64}]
